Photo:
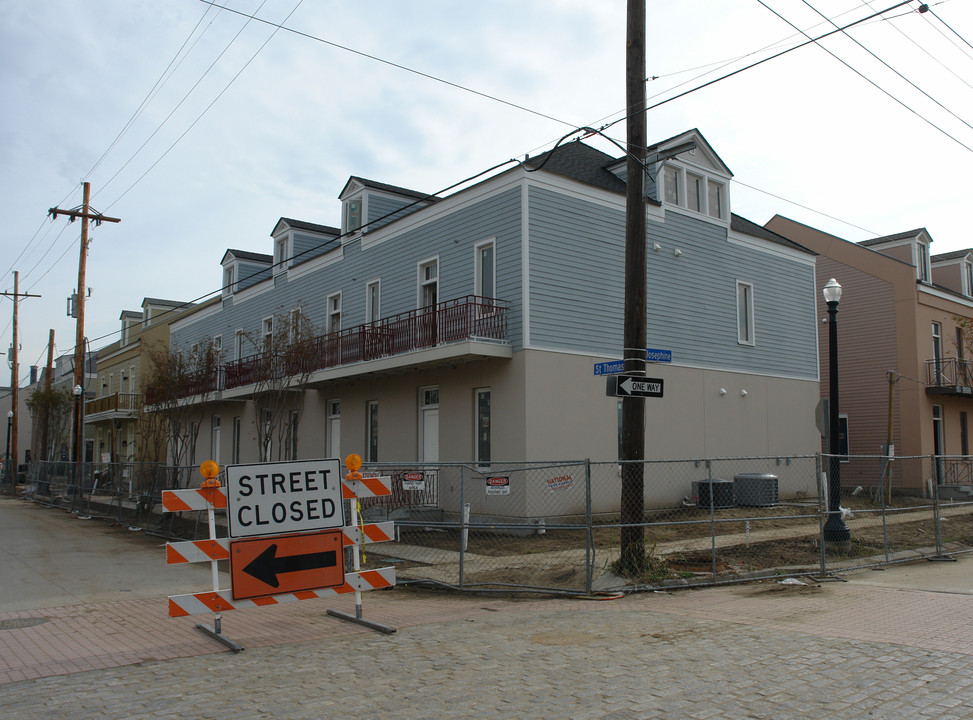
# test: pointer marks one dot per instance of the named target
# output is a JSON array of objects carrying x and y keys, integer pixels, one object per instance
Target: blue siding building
[{"x": 467, "y": 327}]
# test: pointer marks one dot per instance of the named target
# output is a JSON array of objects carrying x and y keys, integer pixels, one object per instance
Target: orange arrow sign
[{"x": 286, "y": 563}]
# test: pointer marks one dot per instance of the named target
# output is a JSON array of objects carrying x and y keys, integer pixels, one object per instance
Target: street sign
[
  {"x": 633, "y": 386},
  {"x": 616, "y": 367},
  {"x": 285, "y": 497},
  {"x": 291, "y": 563}
]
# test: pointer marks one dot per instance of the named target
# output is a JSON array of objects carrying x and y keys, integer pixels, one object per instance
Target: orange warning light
[
  {"x": 353, "y": 462},
  {"x": 209, "y": 470}
]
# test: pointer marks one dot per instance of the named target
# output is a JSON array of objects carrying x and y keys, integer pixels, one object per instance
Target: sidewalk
[{"x": 895, "y": 643}]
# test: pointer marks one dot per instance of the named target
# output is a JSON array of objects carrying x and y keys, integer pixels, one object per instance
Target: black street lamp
[{"x": 836, "y": 534}]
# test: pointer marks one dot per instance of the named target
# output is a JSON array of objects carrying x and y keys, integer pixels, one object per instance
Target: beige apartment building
[
  {"x": 904, "y": 350},
  {"x": 112, "y": 414}
]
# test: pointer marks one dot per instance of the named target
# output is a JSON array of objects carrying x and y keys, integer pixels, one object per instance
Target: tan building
[
  {"x": 906, "y": 312},
  {"x": 111, "y": 415}
]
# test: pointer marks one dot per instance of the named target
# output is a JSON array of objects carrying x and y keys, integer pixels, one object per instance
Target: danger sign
[{"x": 287, "y": 497}]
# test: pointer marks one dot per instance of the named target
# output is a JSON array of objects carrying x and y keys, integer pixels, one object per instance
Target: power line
[
  {"x": 867, "y": 79},
  {"x": 967, "y": 42}
]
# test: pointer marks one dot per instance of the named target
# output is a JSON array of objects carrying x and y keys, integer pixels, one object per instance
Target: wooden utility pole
[
  {"x": 15, "y": 373},
  {"x": 632, "y": 560},
  {"x": 48, "y": 371},
  {"x": 85, "y": 213}
]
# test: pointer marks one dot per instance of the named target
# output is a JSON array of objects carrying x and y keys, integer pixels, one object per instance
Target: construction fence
[{"x": 558, "y": 527}]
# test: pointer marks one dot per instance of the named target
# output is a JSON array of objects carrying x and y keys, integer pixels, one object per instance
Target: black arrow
[{"x": 267, "y": 566}]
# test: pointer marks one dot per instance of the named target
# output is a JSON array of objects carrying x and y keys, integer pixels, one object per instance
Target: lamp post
[
  {"x": 6, "y": 457},
  {"x": 836, "y": 534}
]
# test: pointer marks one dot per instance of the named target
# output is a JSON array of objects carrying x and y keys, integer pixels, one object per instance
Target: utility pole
[
  {"x": 85, "y": 213},
  {"x": 15, "y": 373},
  {"x": 632, "y": 559},
  {"x": 48, "y": 371}
]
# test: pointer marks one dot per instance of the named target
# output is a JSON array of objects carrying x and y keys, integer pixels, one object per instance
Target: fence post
[
  {"x": 822, "y": 493},
  {"x": 712, "y": 517},
  {"x": 936, "y": 514},
  {"x": 589, "y": 539},
  {"x": 463, "y": 521}
]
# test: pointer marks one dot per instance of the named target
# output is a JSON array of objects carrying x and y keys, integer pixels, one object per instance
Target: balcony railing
[
  {"x": 116, "y": 402},
  {"x": 949, "y": 376},
  {"x": 466, "y": 318}
]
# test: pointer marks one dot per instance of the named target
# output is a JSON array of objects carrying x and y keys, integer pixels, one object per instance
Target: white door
[{"x": 430, "y": 435}]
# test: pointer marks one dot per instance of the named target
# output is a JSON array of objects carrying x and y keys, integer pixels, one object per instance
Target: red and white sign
[{"x": 498, "y": 486}]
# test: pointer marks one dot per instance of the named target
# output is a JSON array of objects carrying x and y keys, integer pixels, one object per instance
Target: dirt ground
[{"x": 678, "y": 542}]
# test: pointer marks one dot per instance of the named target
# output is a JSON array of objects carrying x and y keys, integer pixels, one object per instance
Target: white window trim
[
  {"x": 922, "y": 262},
  {"x": 752, "y": 340},
  {"x": 330, "y": 297},
  {"x": 346, "y": 209},
  {"x": 239, "y": 338},
  {"x": 376, "y": 283},
  {"x": 420, "y": 281},
  {"x": 229, "y": 279},
  {"x": 682, "y": 191},
  {"x": 283, "y": 250},
  {"x": 264, "y": 344},
  {"x": 478, "y": 277}
]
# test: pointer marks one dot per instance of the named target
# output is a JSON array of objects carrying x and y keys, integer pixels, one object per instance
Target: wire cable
[{"x": 205, "y": 110}]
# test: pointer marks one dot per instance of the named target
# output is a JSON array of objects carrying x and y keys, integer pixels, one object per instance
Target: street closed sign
[{"x": 285, "y": 497}]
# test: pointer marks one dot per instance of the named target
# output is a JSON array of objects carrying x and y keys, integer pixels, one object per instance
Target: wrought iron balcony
[
  {"x": 949, "y": 376},
  {"x": 117, "y": 404},
  {"x": 466, "y": 318}
]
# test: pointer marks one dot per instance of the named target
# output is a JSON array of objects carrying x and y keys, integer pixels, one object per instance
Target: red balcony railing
[{"x": 466, "y": 318}]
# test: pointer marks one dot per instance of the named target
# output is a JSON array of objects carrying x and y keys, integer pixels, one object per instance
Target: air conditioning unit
[
  {"x": 713, "y": 494},
  {"x": 755, "y": 489}
]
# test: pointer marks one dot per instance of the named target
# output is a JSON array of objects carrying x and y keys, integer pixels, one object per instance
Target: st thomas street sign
[
  {"x": 284, "y": 497},
  {"x": 291, "y": 563},
  {"x": 633, "y": 386}
]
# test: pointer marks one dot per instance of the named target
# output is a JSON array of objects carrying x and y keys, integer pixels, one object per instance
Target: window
[
  {"x": 371, "y": 430},
  {"x": 922, "y": 262},
  {"x": 429, "y": 424},
  {"x": 334, "y": 313},
  {"x": 745, "y": 334},
  {"x": 281, "y": 256},
  {"x": 333, "y": 440},
  {"x": 215, "y": 438},
  {"x": 235, "y": 449},
  {"x": 964, "y": 434},
  {"x": 294, "y": 326},
  {"x": 428, "y": 283},
  {"x": 353, "y": 212},
  {"x": 218, "y": 345},
  {"x": 715, "y": 201},
  {"x": 968, "y": 275},
  {"x": 481, "y": 443},
  {"x": 671, "y": 179},
  {"x": 229, "y": 276},
  {"x": 937, "y": 351},
  {"x": 484, "y": 283},
  {"x": 695, "y": 192},
  {"x": 373, "y": 296},
  {"x": 267, "y": 333},
  {"x": 238, "y": 339}
]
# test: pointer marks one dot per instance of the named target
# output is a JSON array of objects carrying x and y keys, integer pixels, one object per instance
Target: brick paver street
[{"x": 895, "y": 644}]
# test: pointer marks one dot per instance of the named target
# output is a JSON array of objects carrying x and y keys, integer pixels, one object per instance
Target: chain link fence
[{"x": 557, "y": 527}]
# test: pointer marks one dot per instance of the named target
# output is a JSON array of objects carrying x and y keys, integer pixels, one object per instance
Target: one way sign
[{"x": 633, "y": 386}]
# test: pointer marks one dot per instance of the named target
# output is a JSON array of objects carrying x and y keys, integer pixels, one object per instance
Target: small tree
[
  {"x": 51, "y": 411},
  {"x": 173, "y": 394},
  {"x": 290, "y": 354}
]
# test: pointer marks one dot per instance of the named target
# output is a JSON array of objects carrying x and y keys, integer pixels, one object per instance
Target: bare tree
[
  {"x": 50, "y": 412},
  {"x": 173, "y": 396},
  {"x": 291, "y": 352}
]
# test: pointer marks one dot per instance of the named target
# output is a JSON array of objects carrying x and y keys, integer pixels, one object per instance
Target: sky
[{"x": 200, "y": 127}]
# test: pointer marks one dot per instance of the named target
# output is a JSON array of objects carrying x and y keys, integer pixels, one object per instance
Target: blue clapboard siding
[
  {"x": 307, "y": 246},
  {"x": 395, "y": 262},
  {"x": 577, "y": 289},
  {"x": 382, "y": 209},
  {"x": 250, "y": 273}
]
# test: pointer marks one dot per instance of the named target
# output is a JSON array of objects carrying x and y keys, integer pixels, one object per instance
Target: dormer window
[
  {"x": 922, "y": 262},
  {"x": 695, "y": 191},
  {"x": 229, "y": 277},
  {"x": 353, "y": 214},
  {"x": 281, "y": 253}
]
